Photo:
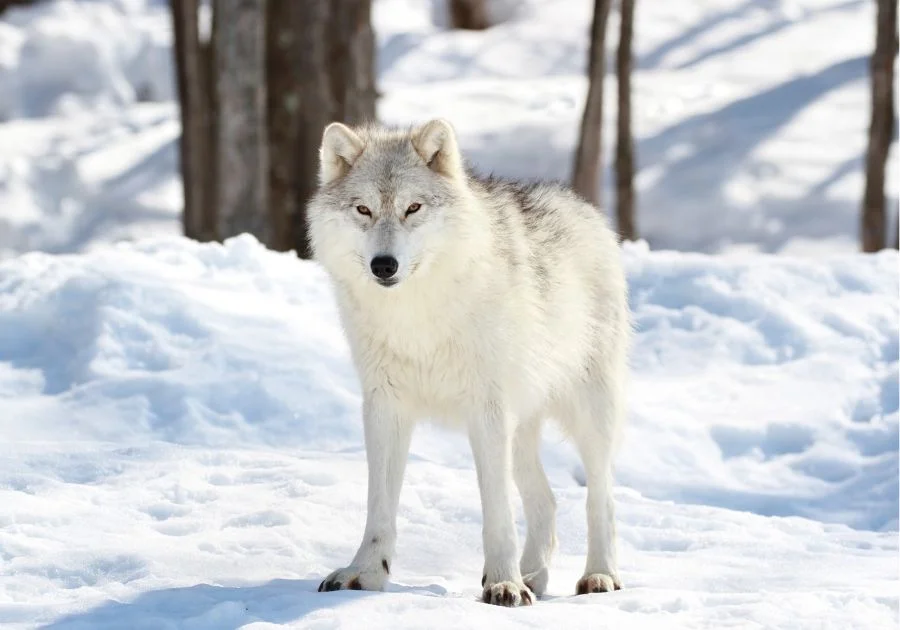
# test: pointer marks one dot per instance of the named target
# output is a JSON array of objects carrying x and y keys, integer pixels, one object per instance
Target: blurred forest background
[
  {"x": 257, "y": 94},
  {"x": 256, "y": 81}
]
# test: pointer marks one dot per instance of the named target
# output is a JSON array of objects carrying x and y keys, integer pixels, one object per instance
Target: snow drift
[{"x": 178, "y": 414}]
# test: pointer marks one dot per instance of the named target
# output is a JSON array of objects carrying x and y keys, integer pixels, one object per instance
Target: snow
[
  {"x": 181, "y": 438},
  {"x": 749, "y": 129},
  {"x": 183, "y": 449}
]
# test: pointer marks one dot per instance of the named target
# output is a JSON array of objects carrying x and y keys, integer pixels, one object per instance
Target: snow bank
[
  {"x": 67, "y": 56},
  {"x": 88, "y": 125},
  {"x": 176, "y": 342},
  {"x": 769, "y": 383},
  {"x": 181, "y": 428},
  {"x": 762, "y": 384}
]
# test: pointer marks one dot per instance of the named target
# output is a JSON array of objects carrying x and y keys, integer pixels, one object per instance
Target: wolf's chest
[
  {"x": 435, "y": 371},
  {"x": 431, "y": 349},
  {"x": 432, "y": 368}
]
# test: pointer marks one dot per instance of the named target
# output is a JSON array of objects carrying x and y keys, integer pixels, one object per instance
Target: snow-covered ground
[
  {"x": 750, "y": 115},
  {"x": 182, "y": 449},
  {"x": 180, "y": 443}
]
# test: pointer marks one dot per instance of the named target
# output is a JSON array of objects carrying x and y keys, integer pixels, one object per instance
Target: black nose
[{"x": 384, "y": 266}]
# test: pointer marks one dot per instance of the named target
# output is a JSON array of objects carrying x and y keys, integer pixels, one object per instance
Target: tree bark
[
  {"x": 469, "y": 14},
  {"x": 242, "y": 163},
  {"x": 881, "y": 128},
  {"x": 211, "y": 212},
  {"x": 321, "y": 68},
  {"x": 291, "y": 24},
  {"x": 352, "y": 61},
  {"x": 587, "y": 178},
  {"x": 624, "y": 141},
  {"x": 5, "y": 4},
  {"x": 193, "y": 81}
]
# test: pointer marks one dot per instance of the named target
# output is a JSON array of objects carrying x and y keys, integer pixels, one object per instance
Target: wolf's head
[{"x": 385, "y": 205}]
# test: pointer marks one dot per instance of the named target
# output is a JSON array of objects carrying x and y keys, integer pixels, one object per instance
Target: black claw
[
  {"x": 333, "y": 585},
  {"x": 322, "y": 586},
  {"x": 486, "y": 596},
  {"x": 354, "y": 585},
  {"x": 526, "y": 597},
  {"x": 483, "y": 580}
]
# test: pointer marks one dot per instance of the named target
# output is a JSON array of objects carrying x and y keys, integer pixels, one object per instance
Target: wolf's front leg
[
  {"x": 490, "y": 434},
  {"x": 387, "y": 446}
]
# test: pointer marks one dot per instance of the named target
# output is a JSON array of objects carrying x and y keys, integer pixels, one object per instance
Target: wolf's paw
[
  {"x": 354, "y": 579},
  {"x": 508, "y": 594},
  {"x": 597, "y": 583},
  {"x": 537, "y": 581}
]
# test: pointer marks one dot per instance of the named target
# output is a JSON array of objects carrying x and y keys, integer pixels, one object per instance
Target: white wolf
[{"x": 484, "y": 304}]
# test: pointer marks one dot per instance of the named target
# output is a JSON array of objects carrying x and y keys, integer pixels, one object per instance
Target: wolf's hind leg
[
  {"x": 592, "y": 419},
  {"x": 539, "y": 504}
]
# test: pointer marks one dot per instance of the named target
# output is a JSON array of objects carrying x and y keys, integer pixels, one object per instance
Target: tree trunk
[
  {"x": 288, "y": 51},
  {"x": 321, "y": 68},
  {"x": 587, "y": 179},
  {"x": 624, "y": 140},
  {"x": 5, "y": 4},
  {"x": 192, "y": 65},
  {"x": 211, "y": 212},
  {"x": 469, "y": 14},
  {"x": 881, "y": 128},
  {"x": 242, "y": 159},
  {"x": 352, "y": 61}
]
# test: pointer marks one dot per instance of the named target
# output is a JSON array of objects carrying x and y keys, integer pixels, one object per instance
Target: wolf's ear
[
  {"x": 340, "y": 149},
  {"x": 436, "y": 144}
]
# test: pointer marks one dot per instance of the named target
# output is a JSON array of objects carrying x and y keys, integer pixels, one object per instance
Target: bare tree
[
  {"x": 321, "y": 68},
  {"x": 254, "y": 104},
  {"x": 587, "y": 177},
  {"x": 624, "y": 141},
  {"x": 881, "y": 128},
  {"x": 469, "y": 14},
  {"x": 192, "y": 60},
  {"x": 242, "y": 160}
]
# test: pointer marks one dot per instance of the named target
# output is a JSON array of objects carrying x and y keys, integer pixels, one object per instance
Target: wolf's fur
[{"x": 510, "y": 308}]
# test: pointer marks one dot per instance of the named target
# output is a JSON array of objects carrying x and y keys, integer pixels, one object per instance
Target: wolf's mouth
[{"x": 387, "y": 282}]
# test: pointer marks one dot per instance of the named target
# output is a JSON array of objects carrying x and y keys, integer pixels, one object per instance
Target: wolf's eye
[
  {"x": 413, "y": 208},
  {"x": 364, "y": 210}
]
